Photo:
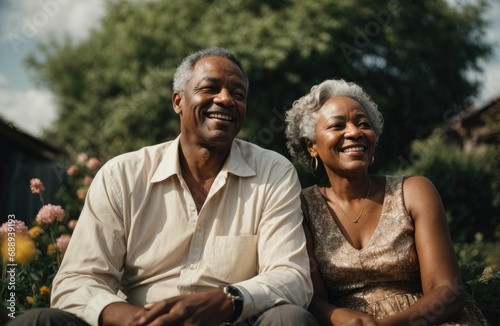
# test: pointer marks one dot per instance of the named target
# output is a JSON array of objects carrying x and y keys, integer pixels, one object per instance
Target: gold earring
[{"x": 314, "y": 163}]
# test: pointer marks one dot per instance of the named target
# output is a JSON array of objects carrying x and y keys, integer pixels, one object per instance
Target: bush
[
  {"x": 482, "y": 284},
  {"x": 465, "y": 182}
]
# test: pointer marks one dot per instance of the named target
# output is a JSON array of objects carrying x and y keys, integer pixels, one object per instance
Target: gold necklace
[{"x": 362, "y": 209}]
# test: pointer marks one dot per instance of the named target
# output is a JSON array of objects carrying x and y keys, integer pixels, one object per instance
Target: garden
[{"x": 32, "y": 254}]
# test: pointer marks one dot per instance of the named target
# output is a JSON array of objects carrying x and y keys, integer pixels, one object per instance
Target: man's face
[{"x": 213, "y": 106}]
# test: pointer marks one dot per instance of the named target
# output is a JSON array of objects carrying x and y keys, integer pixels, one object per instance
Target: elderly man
[{"x": 201, "y": 230}]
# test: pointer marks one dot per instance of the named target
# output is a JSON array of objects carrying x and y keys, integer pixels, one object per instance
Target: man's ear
[{"x": 176, "y": 102}]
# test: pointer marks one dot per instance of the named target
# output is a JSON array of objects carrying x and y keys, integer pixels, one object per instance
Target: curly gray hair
[
  {"x": 301, "y": 119},
  {"x": 184, "y": 71}
]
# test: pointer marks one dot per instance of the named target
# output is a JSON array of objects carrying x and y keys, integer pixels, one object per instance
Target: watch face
[
  {"x": 235, "y": 292},
  {"x": 236, "y": 297}
]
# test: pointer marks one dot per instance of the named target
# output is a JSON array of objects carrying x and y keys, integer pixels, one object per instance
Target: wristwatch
[{"x": 236, "y": 297}]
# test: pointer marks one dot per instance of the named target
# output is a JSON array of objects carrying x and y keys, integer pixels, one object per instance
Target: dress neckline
[{"x": 377, "y": 228}]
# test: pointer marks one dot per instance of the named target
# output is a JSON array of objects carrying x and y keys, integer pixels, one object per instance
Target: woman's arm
[{"x": 442, "y": 300}]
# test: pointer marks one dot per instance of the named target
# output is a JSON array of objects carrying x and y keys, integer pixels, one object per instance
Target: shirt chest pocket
[{"x": 233, "y": 258}]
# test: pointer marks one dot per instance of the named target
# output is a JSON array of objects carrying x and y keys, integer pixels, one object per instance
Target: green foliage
[
  {"x": 487, "y": 252},
  {"x": 465, "y": 183},
  {"x": 114, "y": 88},
  {"x": 482, "y": 284},
  {"x": 30, "y": 278}
]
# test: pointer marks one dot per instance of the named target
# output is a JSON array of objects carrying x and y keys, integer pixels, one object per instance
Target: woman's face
[{"x": 345, "y": 140}]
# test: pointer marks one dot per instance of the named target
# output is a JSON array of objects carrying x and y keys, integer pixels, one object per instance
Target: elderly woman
[{"x": 380, "y": 248}]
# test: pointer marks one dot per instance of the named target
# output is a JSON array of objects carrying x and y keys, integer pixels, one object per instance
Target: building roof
[
  {"x": 471, "y": 127},
  {"x": 10, "y": 135}
]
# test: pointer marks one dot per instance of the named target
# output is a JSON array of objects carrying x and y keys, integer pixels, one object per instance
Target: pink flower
[
  {"x": 36, "y": 186},
  {"x": 81, "y": 193},
  {"x": 82, "y": 158},
  {"x": 72, "y": 170},
  {"x": 49, "y": 213},
  {"x": 93, "y": 164},
  {"x": 14, "y": 226},
  {"x": 62, "y": 242},
  {"x": 87, "y": 180},
  {"x": 72, "y": 224}
]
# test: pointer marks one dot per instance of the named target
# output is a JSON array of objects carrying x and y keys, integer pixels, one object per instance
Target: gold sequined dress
[{"x": 382, "y": 278}]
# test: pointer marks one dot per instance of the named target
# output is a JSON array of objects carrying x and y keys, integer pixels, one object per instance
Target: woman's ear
[{"x": 311, "y": 147}]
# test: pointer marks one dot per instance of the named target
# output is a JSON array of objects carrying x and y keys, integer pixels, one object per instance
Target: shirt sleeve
[
  {"x": 284, "y": 275},
  {"x": 89, "y": 277}
]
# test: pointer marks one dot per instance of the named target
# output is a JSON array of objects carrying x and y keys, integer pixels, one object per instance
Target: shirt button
[{"x": 198, "y": 228}]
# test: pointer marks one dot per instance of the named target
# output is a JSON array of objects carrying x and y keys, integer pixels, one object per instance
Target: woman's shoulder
[
  {"x": 416, "y": 182},
  {"x": 408, "y": 181}
]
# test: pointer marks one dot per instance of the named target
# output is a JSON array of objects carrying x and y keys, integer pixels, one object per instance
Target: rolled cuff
[{"x": 97, "y": 304}]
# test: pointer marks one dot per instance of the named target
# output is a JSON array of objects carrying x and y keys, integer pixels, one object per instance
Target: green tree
[{"x": 114, "y": 88}]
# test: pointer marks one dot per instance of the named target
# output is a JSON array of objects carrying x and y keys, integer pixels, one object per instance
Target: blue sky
[{"x": 24, "y": 23}]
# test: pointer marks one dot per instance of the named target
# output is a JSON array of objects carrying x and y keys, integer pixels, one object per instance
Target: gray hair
[
  {"x": 301, "y": 119},
  {"x": 184, "y": 71}
]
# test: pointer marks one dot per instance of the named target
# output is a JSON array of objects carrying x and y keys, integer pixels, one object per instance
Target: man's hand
[
  {"x": 118, "y": 313},
  {"x": 206, "y": 308}
]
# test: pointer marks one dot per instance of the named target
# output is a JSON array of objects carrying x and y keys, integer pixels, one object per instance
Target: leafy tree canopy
[{"x": 114, "y": 88}]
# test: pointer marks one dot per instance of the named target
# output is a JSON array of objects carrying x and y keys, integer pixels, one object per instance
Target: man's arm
[
  {"x": 283, "y": 274},
  {"x": 90, "y": 274}
]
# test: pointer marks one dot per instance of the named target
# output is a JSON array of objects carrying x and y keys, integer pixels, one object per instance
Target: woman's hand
[{"x": 348, "y": 317}]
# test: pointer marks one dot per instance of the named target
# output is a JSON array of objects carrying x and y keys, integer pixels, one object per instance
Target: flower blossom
[
  {"x": 25, "y": 250},
  {"x": 72, "y": 170},
  {"x": 93, "y": 164},
  {"x": 82, "y": 158},
  {"x": 45, "y": 290},
  {"x": 36, "y": 186},
  {"x": 49, "y": 213},
  {"x": 81, "y": 193},
  {"x": 30, "y": 300},
  {"x": 19, "y": 228},
  {"x": 35, "y": 231},
  {"x": 51, "y": 249},
  {"x": 87, "y": 180},
  {"x": 62, "y": 242},
  {"x": 72, "y": 224}
]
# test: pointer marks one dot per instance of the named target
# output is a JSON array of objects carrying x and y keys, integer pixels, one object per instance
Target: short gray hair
[
  {"x": 301, "y": 119},
  {"x": 184, "y": 71}
]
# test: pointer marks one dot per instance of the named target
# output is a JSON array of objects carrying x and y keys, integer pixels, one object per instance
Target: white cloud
[
  {"x": 23, "y": 24},
  {"x": 32, "y": 110},
  {"x": 3, "y": 80},
  {"x": 35, "y": 20}
]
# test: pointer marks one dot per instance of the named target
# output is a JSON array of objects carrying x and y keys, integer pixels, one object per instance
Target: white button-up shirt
[{"x": 140, "y": 238}]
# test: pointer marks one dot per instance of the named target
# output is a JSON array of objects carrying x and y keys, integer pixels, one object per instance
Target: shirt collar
[
  {"x": 169, "y": 164},
  {"x": 236, "y": 164}
]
